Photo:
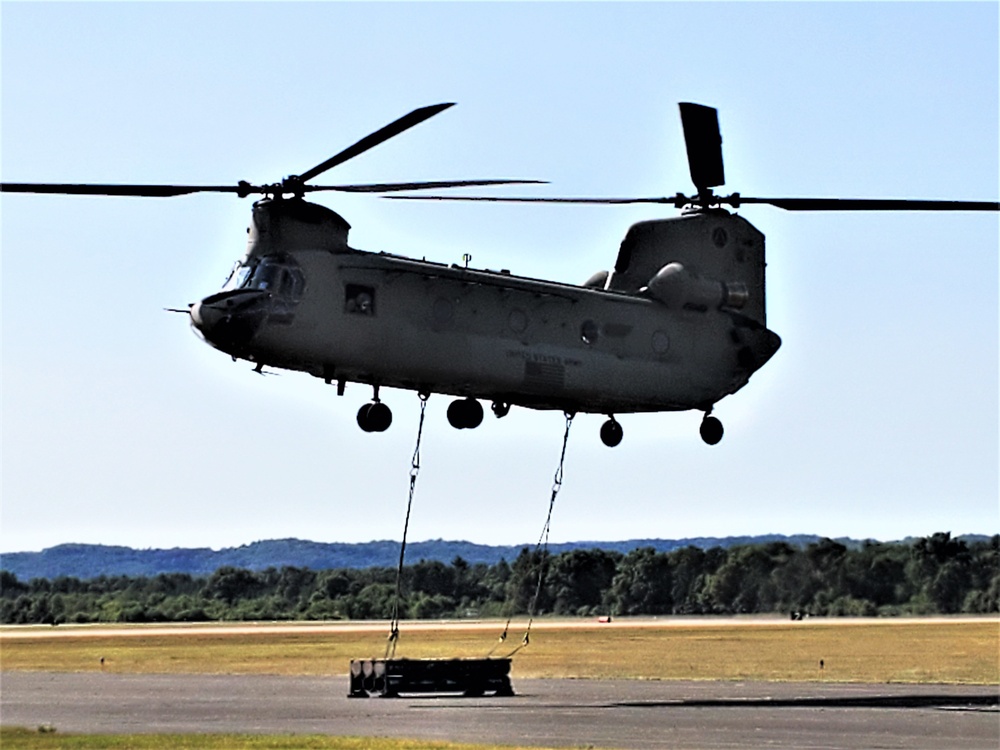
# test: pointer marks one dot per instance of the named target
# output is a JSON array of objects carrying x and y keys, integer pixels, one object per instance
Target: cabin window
[{"x": 359, "y": 300}]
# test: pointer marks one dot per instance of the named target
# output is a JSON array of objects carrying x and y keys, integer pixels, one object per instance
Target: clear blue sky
[{"x": 877, "y": 418}]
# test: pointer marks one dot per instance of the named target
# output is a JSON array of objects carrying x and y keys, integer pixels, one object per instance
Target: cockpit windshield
[
  {"x": 238, "y": 277},
  {"x": 279, "y": 275}
]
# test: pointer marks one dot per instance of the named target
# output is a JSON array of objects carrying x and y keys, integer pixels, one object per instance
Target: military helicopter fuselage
[{"x": 678, "y": 324}]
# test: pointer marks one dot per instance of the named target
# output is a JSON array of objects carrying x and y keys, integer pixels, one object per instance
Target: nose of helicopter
[{"x": 229, "y": 320}]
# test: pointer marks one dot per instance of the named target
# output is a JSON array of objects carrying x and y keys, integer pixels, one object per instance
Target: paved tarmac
[{"x": 550, "y": 713}]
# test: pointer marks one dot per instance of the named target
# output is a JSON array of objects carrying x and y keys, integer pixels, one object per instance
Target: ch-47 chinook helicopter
[{"x": 678, "y": 324}]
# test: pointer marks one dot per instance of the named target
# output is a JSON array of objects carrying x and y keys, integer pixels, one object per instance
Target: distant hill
[{"x": 93, "y": 560}]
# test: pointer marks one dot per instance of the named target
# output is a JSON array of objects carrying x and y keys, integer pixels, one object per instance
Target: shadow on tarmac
[{"x": 950, "y": 702}]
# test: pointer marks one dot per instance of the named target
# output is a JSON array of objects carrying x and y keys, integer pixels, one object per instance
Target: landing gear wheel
[
  {"x": 474, "y": 414},
  {"x": 374, "y": 417},
  {"x": 363, "y": 421},
  {"x": 711, "y": 430},
  {"x": 465, "y": 414},
  {"x": 611, "y": 433},
  {"x": 379, "y": 417},
  {"x": 500, "y": 408}
]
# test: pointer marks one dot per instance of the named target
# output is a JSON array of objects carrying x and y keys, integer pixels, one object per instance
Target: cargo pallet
[{"x": 389, "y": 678}]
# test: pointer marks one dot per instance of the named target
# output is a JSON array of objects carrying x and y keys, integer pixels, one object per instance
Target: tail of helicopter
[{"x": 704, "y": 260}]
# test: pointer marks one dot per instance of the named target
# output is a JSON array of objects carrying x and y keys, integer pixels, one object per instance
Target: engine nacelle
[
  {"x": 712, "y": 245},
  {"x": 678, "y": 288}
]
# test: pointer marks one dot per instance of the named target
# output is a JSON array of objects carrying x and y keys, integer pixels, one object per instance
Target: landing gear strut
[
  {"x": 711, "y": 429},
  {"x": 611, "y": 432},
  {"x": 374, "y": 417},
  {"x": 465, "y": 414}
]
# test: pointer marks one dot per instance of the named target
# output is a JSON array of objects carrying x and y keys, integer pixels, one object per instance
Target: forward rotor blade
[
  {"x": 390, "y": 187},
  {"x": 491, "y": 199},
  {"x": 704, "y": 145},
  {"x": 145, "y": 191},
  {"x": 868, "y": 204},
  {"x": 394, "y": 128}
]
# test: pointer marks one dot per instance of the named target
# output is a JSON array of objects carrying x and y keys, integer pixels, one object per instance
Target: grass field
[{"x": 872, "y": 651}]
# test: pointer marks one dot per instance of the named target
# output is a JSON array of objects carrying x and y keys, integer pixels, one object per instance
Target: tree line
[{"x": 932, "y": 575}]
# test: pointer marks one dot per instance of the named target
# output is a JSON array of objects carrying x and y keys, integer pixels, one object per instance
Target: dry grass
[{"x": 872, "y": 651}]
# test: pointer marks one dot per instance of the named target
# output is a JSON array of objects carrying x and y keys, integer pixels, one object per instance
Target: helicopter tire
[
  {"x": 711, "y": 430},
  {"x": 363, "y": 419},
  {"x": 611, "y": 433},
  {"x": 379, "y": 417},
  {"x": 465, "y": 414},
  {"x": 455, "y": 415},
  {"x": 474, "y": 414}
]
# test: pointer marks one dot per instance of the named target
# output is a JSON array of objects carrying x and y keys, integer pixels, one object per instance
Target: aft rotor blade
[
  {"x": 736, "y": 200},
  {"x": 405, "y": 122},
  {"x": 390, "y": 187},
  {"x": 145, "y": 191},
  {"x": 704, "y": 145},
  {"x": 869, "y": 204}
]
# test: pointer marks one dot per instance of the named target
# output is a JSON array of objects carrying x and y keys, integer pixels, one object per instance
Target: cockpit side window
[
  {"x": 266, "y": 276},
  {"x": 293, "y": 283},
  {"x": 280, "y": 276}
]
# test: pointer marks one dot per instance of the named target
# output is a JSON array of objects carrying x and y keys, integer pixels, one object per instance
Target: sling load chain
[
  {"x": 414, "y": 471},
  {"x": 541, "y": 549},
  {"x": 540, "y": 553}
]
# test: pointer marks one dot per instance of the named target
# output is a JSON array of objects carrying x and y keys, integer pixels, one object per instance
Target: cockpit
[{"x": 279, "y": 275}]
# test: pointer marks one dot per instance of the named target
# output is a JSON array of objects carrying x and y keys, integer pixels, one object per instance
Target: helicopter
[{"x": 677, "y": 324}]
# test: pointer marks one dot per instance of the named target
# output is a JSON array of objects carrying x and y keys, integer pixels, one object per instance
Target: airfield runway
[{"x": 553, "y": 713}]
